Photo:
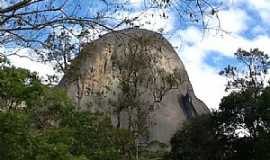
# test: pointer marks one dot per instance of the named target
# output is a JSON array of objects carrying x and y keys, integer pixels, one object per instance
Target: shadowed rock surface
[{"x": 136, "y": 76}]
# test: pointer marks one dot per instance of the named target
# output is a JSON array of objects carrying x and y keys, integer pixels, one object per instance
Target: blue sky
[{"x": 204, "y": 53}]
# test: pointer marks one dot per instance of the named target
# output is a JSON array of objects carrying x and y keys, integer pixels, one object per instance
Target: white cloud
[
  {"x": 208, "y": 85},
  {"x": 191, "y": 35},
  {"x": 136, "y": 3},
  {"x": 151, "y": 19},
  {"x": 20, "y": 61},
  {"x": 3, "y": 4},
  {"x": 262, "y": 7},
  {"x": 260, "y": 4},
  {"x": 234, "y": 20},
  {"x": 262, "y": 42}
]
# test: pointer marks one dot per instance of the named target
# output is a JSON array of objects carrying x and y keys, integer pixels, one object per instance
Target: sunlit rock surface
[{"x": 137, "y": 77}]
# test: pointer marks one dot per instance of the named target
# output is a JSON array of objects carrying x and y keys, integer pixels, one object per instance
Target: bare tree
[
  {"x": 28, "y": 23},
  {"x": 196, "y": 11},
  {"x": 35, "y": 24}
]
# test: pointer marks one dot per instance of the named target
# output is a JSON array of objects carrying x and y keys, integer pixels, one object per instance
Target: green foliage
[
  {"x": 15, "y": 141},
  {"x": 16, "y": 86},
  {"x": 95, "y": 137},
  {"x": 245, "y": 114},
  {"x": 198, "y": 139},
  {"x": 245, "y": 120},
  {"x": 50, "y": 107},
  {"x": 249, "y": 72},
  {"x": 241, "y": 128},
  {"x": 39, "y": 122},
  {"x": 19, "y": 141}
]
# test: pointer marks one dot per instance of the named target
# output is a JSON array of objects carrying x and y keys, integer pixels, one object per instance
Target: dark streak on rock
[{"x": 186, "y": 105}]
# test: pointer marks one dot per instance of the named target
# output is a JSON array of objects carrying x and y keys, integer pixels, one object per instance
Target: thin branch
[{"x": 16, "y": 6}]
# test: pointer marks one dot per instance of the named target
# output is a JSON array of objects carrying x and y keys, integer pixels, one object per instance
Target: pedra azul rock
[{"x": 135, "y": 76}]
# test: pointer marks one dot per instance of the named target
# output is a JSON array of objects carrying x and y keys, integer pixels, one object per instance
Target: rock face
[{"x": 136, "y": 76}]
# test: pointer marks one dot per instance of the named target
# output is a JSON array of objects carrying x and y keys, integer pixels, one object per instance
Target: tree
[
  {"x": 187, "y": 144},
  {"x": 251, "y": 70},
  {"x": 24, "y": 21},
  {"x": 245, "y": 110},
  {"x": 61, "y": 50},
  {"x": 17, "y": 85},
  {"x": 14, "y": 137},
  {"x": 244, "y": 118},
  {"x": 35, "y": 24},
  {"x": 95, "y": 137},
  {"x": 240, "y": 129},
  {"x": 141, "y": 88},
  {"x": 32, "y": 24},
  {"x": 43, "y": 124},
  {"x": 86, "y": 136}
]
